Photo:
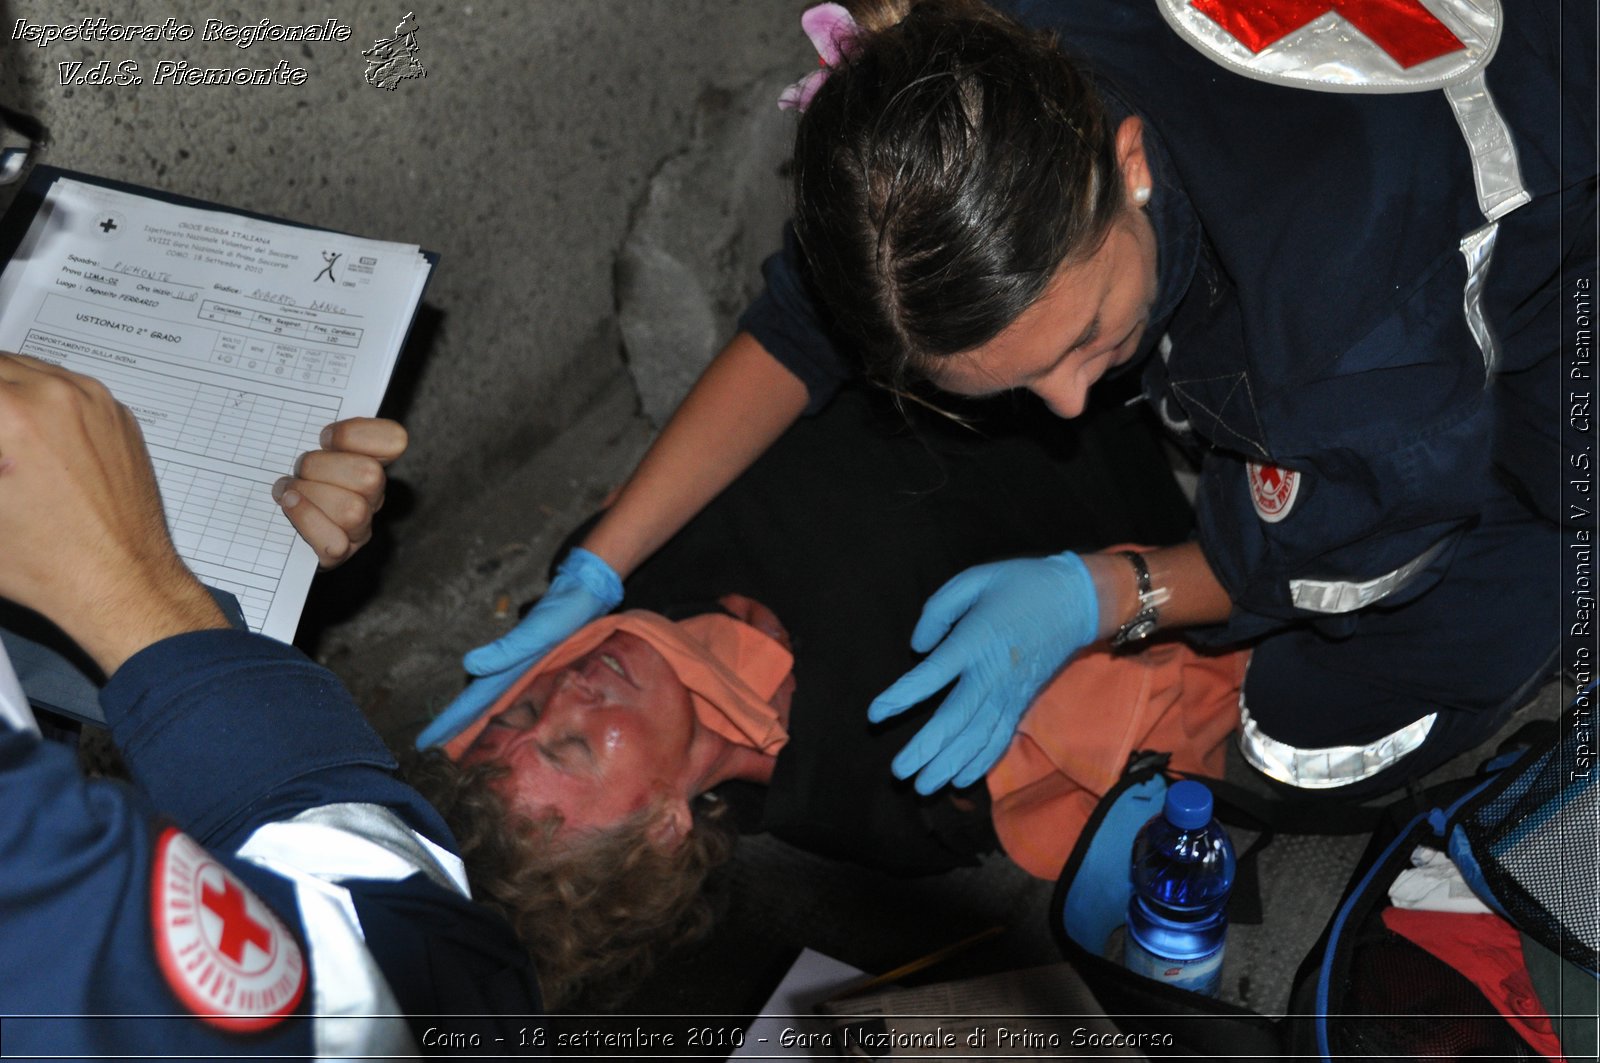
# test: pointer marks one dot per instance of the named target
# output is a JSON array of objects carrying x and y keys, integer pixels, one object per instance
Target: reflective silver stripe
[
  {"x": 355, "y": 840},
  {"x": 1498, "y": 177},
  {"x": 1334, "y": 596},
  {"x": 1322, "y": 769},
  {"x": 1494, "y": 156},
  {"x": 355, "y": 1011},
  {"x": 1477, "y": 247}
]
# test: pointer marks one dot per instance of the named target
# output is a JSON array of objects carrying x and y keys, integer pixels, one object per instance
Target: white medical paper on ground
[
  {"x": 814, "y": 977},
  {"x": 234, "y": 341}
]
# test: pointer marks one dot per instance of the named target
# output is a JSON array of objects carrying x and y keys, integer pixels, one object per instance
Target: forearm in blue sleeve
[
  {"x": 55, "y": 674},
  {"x": 225, "y": 729}
]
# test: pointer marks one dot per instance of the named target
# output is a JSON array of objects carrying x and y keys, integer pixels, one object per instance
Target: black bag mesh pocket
[
  {"x": 1397, "y": 1001},
  {"x": 1537, "y": 843}
]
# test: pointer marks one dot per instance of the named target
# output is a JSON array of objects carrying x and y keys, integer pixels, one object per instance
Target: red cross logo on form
[
  {"x": 1409, "y": 32},
  {"x": 224, "y": 953}
]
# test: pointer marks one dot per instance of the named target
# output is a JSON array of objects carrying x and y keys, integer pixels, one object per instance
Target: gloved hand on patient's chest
[{"x": 1000, "y": 631}]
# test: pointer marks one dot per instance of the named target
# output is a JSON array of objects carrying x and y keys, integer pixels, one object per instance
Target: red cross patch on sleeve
[
  {"x": 1342, "y": 45},
  {"x": 1272, "y": 490},
  {"x": 226, "y": 955},
  {"x": 1406, "y": 30}
]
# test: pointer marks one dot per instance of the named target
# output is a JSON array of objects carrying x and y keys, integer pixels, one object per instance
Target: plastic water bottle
[{"x": 1182, "y": 870}]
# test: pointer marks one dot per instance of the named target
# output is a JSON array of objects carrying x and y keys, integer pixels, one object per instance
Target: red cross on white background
[
  {"x": 238, "y": 928},
  {"x": 205, "y": 922},
  {"x": 1406, "y": 30}
]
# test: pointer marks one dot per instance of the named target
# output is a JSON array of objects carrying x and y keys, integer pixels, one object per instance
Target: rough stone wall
[
  {"x": 543, "y": 133},
  {"x": 521, "y": 157}
]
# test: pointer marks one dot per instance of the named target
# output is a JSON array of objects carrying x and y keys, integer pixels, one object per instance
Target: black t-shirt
[{"x": 844, "y": 528}]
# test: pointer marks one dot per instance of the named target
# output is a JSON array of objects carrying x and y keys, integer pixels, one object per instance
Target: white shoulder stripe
[
  {"x": 1495, "y": 169},
  {"x": 356, "y": 840},
  {"x": 1339, "y": 596},
  {"x": 1477, "y": 247},
  {"x": 1323, "y": 769},
  {"x": 356, "y": 1014}
]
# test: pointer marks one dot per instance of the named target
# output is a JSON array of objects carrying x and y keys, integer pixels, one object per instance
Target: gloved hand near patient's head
[
  {"x": 1006, "y": 629},
  {"x": 585, "y": 588}
]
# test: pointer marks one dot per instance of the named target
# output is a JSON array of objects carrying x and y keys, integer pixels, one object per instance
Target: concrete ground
[{"x": 601, "y": 179}]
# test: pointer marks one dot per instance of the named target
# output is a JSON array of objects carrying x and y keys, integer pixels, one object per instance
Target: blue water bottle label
[{"x": 1203, "y": 974}]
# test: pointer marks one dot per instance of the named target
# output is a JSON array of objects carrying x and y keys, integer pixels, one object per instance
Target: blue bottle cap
[{"x": 1188, "y": 805}]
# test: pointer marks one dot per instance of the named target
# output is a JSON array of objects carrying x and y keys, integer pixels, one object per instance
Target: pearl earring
[{"x": 1141, "y": 195}]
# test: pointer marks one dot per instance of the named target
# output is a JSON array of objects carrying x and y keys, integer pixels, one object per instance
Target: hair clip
[{"x": 832, "y": 30}]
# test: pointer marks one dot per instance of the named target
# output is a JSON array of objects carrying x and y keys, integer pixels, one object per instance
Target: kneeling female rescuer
[{"x": 1346, "y": 302}]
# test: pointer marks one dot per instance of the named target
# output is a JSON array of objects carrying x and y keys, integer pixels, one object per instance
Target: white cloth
[{"x": 1433, "y": 884}]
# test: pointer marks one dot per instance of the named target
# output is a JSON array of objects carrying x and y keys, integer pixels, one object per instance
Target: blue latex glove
[
  {"x": 584, "y": 589},
  {"x": 1015, "y": 623}
]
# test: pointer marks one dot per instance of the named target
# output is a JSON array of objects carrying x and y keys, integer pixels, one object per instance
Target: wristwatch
[{"x": 1144, "y": 622}]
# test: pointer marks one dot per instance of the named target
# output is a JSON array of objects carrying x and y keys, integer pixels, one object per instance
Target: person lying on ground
[{"x": 604, "y": 780}]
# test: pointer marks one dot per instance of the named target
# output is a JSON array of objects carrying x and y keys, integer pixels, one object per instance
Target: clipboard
[{"x": 234, "y": 337}]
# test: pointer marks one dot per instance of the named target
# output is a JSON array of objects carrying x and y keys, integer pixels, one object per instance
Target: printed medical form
[{"x": 233, "y": 340}]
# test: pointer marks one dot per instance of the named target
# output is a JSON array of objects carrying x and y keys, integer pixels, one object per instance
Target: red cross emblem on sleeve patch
[
  {"x": 226, "y": 955},
  {"x": 1406, "y": 30},
  {"x": 1272, "y": 490},
  {"x": 1342, "y": 45}
]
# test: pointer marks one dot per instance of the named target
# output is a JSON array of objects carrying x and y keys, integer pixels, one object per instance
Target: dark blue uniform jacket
[
  {"x": 1312, "y": 286},
  {"x": 261, "y": 758}
]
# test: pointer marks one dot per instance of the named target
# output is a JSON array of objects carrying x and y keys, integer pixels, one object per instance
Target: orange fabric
[
  {"x": 730, "y": 668},
  {"x": 1075, "y": 740},
  {"x": 1070, "y": 749}
]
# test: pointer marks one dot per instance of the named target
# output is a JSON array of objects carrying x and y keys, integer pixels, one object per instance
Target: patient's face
[{"x": 595, "y": 741}]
